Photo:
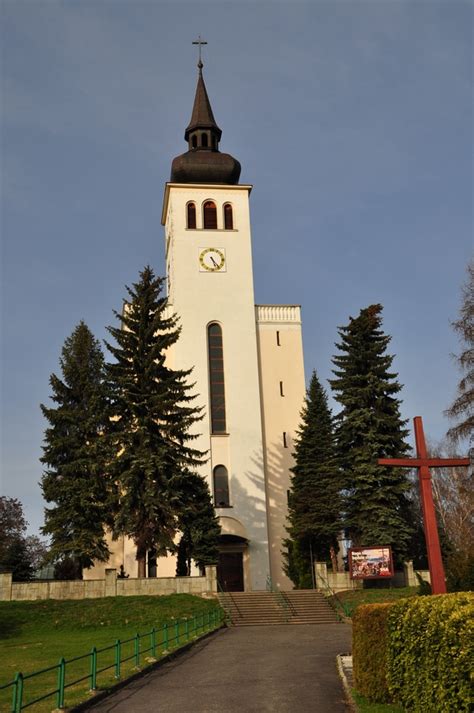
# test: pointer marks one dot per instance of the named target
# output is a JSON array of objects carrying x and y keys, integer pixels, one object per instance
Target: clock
[{"x": 212, "y": 260}]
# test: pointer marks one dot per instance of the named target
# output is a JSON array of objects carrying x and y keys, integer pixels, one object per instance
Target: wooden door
[{"x": 230, "y": 571}]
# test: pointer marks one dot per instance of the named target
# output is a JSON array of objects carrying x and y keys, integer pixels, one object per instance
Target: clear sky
[{"x": 352, "y": 119}]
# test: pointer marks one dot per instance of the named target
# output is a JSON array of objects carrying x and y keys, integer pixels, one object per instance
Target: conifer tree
[
  {"x": 368, "y": 427},
  {"x": 154, "y": 458},
  {"x": 462, "y": 408},
  {"x": 199, "y": 526},
  {"x": 75, "y": 454},
  {"x": 314, "y": 498}
]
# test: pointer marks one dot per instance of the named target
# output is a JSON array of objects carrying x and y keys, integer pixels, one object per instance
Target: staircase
[
  {"x": 269, "y": 608},
  {"x": 309, "y": 607}
]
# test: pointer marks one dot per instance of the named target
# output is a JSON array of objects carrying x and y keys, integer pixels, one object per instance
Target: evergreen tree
[
  {"x": 75, "y": 454},
  {"x": 199, "y": 525},
  {"x": 368, "y": 427},
  {"x": 314, "y": 500},
  {"x": 154, "y": 458},
  {"x": 14, "y": 554},
  {"x": 462, "y": 408}
]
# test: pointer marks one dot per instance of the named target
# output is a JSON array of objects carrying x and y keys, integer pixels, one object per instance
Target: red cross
[{"x": 423, "y": 464}]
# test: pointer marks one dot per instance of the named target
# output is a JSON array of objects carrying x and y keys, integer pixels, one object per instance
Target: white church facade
[{"x": 247, "y": 361}]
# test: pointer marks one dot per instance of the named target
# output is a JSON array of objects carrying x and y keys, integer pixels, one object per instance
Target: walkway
[{"x": 269, "y": 669}]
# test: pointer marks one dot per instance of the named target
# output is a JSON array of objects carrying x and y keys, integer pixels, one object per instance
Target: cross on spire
[{"x": 199, "y": 42}]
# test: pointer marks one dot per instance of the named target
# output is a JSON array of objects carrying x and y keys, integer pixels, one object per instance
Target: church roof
[
  {"x": 203, "y": 162},
  {"x": 202, "y": 116}
]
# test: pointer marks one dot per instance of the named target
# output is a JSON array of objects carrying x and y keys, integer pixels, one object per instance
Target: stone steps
[{"x": 271, "y": 608}]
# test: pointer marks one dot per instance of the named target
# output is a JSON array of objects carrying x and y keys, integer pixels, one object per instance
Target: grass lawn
[
  {"x": 35, "y": 635},
  {"x": 352, "y": 598}
]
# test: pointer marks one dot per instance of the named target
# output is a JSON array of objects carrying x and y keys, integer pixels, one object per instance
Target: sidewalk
[{"x": 269, "y": 669}]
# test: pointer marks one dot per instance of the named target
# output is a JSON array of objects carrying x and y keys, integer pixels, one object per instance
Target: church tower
[{"x": 248, "y": 360}]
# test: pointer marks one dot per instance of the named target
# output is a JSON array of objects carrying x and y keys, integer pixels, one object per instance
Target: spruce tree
[
  {"x": 75, "y": 454},
  {"x": 154, "y": 458},
  {"x": 199, "y": 525},
  {"x": 462, "y": 408},
  {"x": 314, "y": 500},
  {"x": 368, "y": 427}
]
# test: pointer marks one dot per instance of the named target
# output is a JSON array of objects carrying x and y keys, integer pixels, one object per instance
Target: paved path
[{"x": 274, "y": 669}]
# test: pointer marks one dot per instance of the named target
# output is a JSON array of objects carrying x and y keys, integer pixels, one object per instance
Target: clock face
[{"x": 212, "y": 260}]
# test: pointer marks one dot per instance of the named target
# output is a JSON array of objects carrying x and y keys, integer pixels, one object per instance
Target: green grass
[
  {"x": 364, "y": 706},
  {"x": 35, "y": 635},
  {"x": 353, "y": 598}
]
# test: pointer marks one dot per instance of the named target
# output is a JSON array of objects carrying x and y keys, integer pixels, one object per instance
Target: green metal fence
[{"x": 157, "y": 642}]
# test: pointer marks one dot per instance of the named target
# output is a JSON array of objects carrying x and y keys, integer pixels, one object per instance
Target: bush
[
  {"x": 417, "y": 652},
  {"x": 430, "y": 652},
  {"x": 369, "y": 651}
]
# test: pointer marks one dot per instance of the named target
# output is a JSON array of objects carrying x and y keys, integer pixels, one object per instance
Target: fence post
[
  {"x": 137, "y": 650},
  {"x": 153, "y": 642},
  {"x": 176, "y": 631},
  {"x": 118, "y": 656},
  {"x": 93, "y": 675},
  {"x": 165, "y": 637},
  {"x": 17, "y": 701},
  {"x": 186, "y": 629},
  {"x": 61, "y": 680}
]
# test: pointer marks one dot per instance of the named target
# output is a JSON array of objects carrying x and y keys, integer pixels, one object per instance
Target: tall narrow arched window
[
  {"x": 194, "y": 141},
  {"x": 216, "y": 378},
  {"x": 191, "y": 215},
  {"x": 221, "y": 487},
  {"x": 210, "y": 215},
  {"x": 204, "y": 140},
  {"x": 228, "y": 217}
]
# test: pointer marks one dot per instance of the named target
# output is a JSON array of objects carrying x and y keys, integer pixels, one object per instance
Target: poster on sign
[{"x": 370, "y": 562}]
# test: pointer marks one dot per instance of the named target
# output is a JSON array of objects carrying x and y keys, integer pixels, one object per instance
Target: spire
[
  {"x": 202, "y": 116},
  {"x": 203, "y": 162}
]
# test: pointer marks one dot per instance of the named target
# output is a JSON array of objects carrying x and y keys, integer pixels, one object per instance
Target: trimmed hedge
[
  {"x": 418, "y": 652},
  {"x": 369, "y": 651},
  {"x": 431, "y": 653}
]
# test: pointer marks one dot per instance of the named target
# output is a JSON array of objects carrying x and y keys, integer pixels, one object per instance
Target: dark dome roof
[{"x": 205, "y": 167}]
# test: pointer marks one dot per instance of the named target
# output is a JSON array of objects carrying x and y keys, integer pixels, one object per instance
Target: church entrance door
[{"x": 230, "y": 571}]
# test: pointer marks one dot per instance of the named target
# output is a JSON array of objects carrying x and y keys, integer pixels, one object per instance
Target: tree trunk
[
  {"x": 141, "y": 560},
  {"x": 332, "y": 553}
]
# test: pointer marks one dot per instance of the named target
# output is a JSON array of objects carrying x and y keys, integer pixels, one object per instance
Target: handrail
[
  {"x": 281, "y": 600},
  {"x": 333, "y": 593},
  {"x": 225, "y": 593},
  {"x": 173, "y": 635}
]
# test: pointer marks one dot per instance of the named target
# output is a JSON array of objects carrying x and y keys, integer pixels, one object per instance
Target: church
[{"x": 247, "y": 361}]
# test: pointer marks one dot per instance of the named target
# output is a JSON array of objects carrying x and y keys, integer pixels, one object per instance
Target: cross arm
[{"x": 427, "y": 462}]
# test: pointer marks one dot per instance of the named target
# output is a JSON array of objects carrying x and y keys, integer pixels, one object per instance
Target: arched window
[
  {"x": 204, "y": 140},
  {"x": 210, "y": 215},
  {"x": 216, "y": 378},
  {"x": 228, "y": 217},
  {"x": 191, "y": 215},
  {"x": 194, "y": 141},
  {"x": 221, "y": 487}
]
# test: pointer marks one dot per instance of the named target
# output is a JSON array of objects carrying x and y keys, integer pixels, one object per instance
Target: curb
[
  {"x": 343, "y": 672},
  {"x": 101, "y": 695}
]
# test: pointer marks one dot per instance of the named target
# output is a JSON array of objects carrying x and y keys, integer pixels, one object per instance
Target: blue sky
[{"x": 353, "y": 121}]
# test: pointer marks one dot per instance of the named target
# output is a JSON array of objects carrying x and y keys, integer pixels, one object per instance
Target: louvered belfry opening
[
  {"x": 228, "y": 217},
  {"x": 191, "y": 216},
  {"x": 210, "y": 215}
]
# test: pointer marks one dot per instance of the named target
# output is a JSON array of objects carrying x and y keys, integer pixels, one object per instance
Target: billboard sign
[{"x": 370, "y": 562}]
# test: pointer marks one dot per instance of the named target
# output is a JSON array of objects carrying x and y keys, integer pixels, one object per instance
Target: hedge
[
  {"x": 431, "y": 653},
  {"x": 417, "y": 652},
  {"x": 369, "y": 651}
]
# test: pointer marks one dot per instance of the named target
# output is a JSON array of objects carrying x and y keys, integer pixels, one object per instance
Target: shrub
[
  {"x": 369, "y": 651},
  {"x": 430, "y": 652}
]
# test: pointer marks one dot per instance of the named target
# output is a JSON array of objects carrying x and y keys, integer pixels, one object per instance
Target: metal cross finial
[{"x": 199, "y": 42}]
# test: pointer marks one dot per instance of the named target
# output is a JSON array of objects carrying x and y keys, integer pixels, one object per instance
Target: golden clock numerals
[{"x": 212, "y": 259}]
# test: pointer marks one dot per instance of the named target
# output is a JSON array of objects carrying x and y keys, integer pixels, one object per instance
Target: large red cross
[{"x": 423, "y": 464}]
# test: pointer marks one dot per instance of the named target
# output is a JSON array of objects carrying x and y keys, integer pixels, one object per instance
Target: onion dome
[{"x": 203, "y": 162}]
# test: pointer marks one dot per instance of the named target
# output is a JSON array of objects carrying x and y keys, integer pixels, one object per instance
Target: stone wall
[
  {"x": 341, "y": 581},
  {"x": 110, "y": 586}
]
